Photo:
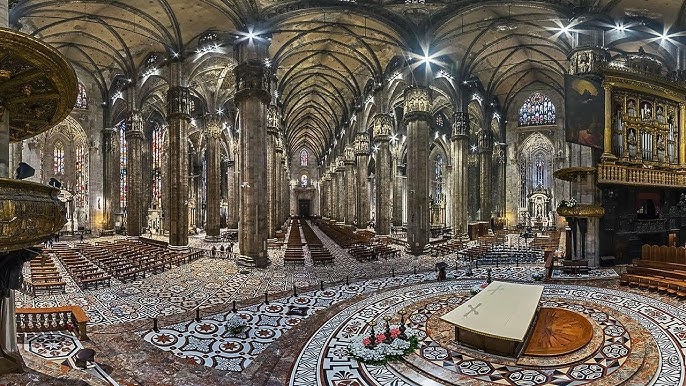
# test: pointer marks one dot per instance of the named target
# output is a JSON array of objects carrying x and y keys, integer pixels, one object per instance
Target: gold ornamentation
[
  {"x": 43, "y": 86},
  {"x": 29, "y": 214},
  {"x": 574, "y": 173},
  {"x": 581, "y": 210}
]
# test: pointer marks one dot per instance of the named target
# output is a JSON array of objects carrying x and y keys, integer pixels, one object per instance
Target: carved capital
[
  {"x": 178, "y": 102},
  {"x": 362, "y": 144},
  {"x": 272, "y": 119},
  {"x": 382, "y": 127},
  {"x": 417, "y": 104},
  {"x": 252, "y": 81},
  {"x": 349, "y": 155},
  {"x": 460, "y": 125},
  {"x": 587, "y": 60},
  {"x": 213, "y": 130},
  {"x": 109, "y": 136}
]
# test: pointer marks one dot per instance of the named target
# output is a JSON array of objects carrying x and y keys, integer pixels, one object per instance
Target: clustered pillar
[
  {"x": 362, "y": 161},
  {"x": 350, "y": 187},
  {"x": 460, "y": 141},
  {"x": 252, "y": 99},
  {"x": 178, "y": 115},
  {"x": 485, "y": 164},
  {"x": 382, "y": 127},
  {"x": 110, "y": 167},
  {"x": 213, "y": 156},
  {"x": 417, "y": 115},
  {"x": 135, "y": 140}
]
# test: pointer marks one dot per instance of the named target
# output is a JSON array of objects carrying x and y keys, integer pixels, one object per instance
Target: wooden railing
[
  {"x": 639, "y": 176},
  {"x": 52, "y": 319}
]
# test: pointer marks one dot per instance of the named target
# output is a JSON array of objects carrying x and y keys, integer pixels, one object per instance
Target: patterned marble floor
[
  {"x": 324, "y": 360},
  {"x": 60, "y": 348},
  {"x": 208, "y": 282}
]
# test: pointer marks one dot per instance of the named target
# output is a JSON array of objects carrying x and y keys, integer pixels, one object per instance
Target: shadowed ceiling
[{"x": 324, "y": 52}]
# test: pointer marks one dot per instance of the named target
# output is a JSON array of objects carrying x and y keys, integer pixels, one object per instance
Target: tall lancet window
[
  {"x": 81, "y": 176},
  {"x": 537, "y": 110},
  {"x": 123, "y": 185},
  {"x": 304, "y": 157},
  {"x": 81, "y": 98},
  {"x": 58, "y": 158},
  {"x": 540, "y": 171},
  {"x": 157, "y": 165},
  {"x": 439, "y": 165}
]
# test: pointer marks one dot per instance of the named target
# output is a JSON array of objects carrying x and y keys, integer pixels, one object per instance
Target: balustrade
[
  {"x": 628, "y": 175},
  {"x": 52, "y": 319}
]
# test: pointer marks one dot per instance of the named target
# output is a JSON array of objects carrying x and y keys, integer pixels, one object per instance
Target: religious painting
[{"x": 584, "y": 111}]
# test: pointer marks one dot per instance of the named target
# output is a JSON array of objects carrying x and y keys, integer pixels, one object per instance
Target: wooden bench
[
  {"x": 575, "y": 266},
  {"x": 48, "y": 286}
]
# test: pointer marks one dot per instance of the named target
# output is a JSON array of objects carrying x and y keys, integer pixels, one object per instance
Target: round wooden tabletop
[{"x": 558, "y": 332}]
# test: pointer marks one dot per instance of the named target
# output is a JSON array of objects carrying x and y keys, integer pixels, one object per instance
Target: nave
[{"x": 284, "y": 334}]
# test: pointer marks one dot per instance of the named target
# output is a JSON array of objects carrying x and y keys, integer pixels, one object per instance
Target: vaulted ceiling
[{"x": 325, "y": 52}]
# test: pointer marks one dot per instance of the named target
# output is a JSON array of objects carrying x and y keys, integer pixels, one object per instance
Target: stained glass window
[
  {"x": 157, "y": 165},
  {"x": 123, "y": 185},
  {"x": 81, "y": 177},
  {"x": 81, "y": 98},
  {"x": 438, "y": 179},
  {"x": 303, "y": 157},
  {"x": 58, "y": 158},
  {"x": 537, "y": 110}
]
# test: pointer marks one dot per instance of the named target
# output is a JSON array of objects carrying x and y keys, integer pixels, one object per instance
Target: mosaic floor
[
  {"x": 630, "y": 326},
  {"x": 324, "y": 359}
]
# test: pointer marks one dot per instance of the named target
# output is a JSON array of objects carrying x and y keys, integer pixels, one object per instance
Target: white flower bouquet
[
  {"x": 235, "y": 324},
  {"x": 385, "y": 347}
]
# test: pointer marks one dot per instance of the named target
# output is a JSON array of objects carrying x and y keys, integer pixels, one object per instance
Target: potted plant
[{"x": 235, "y": 324}]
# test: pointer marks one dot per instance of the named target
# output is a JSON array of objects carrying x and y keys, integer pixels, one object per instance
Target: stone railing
[
  {"x": 52, "y": 319},
  {"x": 638, "y": 176}
]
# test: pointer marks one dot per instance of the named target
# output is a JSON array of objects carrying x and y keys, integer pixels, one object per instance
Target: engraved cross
[{"x": 472, "y": 309}]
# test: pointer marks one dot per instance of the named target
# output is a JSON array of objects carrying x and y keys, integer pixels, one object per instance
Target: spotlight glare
[{"x": 620, "y": 28}]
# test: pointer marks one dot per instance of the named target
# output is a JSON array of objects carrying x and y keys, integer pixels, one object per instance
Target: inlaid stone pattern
[{"x": 323, "y": 360}]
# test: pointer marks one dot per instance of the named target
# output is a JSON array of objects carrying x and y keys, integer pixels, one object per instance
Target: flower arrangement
[
  {"x": 476, "y": 288},
  {"x": 235, "y": 324},
  {"x": 379, "y": 349},
  {"x": 569, "y": 203}
]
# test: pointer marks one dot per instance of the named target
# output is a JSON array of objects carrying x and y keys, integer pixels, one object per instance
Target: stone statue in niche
[
  {"x": 646, "y": 111},
  {"x": 632, "y": 143},
  {"x": 631, "y": 108},
  {"x": 661, "y": 147}
]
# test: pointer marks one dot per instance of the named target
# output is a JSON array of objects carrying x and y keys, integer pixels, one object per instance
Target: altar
[{"x": 498, "y": 319}]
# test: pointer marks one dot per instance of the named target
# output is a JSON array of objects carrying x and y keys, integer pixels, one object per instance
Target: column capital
[
  {"x": 349, "y": 155},
  {"x": 362, "y": 144},
  {"x": 417, "y": 103},
  {"x": 178, "y": 102},
  {"x": 252, "y": 81},
  {"x": 273, "y": 120},
  {"x": 460, "y": 126},
  {"x": 213, "y": 129},
  {"x": 382, "y": 127}
]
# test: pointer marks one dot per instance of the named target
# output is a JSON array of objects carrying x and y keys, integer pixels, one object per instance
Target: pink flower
[
  {"x": 380, "y": 338},
  {"x": 484, "y": 285},
  {"x": 366, "y": 342},
  {"x": 395, "y": 333}
]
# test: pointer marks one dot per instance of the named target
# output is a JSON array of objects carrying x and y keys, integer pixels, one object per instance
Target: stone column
[
  {"x": 135, "y": 140},
  {"x": 362, "y": 201},
  {"x": 272, "y": 136},
  {"x": 286, "y": 191},
  {"x": 110, "y": 186},
  {"x": 460, "y": 143},
  {"x": 485, "y": 177},
  {"x": 397, "y": 211},
  {"x": 382, "y": 127},
  {"x": 340, "y": 189},
  {"x": 252, "y": 99},
  {"x": 178, "y": 116},
  {"x": 417, "y": 116},
  {"x": 232, "y": 198},
  {"x": 324, "y": 187},
  {"x": 351, "y": 192},
  {"x": 213, "y": 199},
  {"x": 278, "y": 192}
]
